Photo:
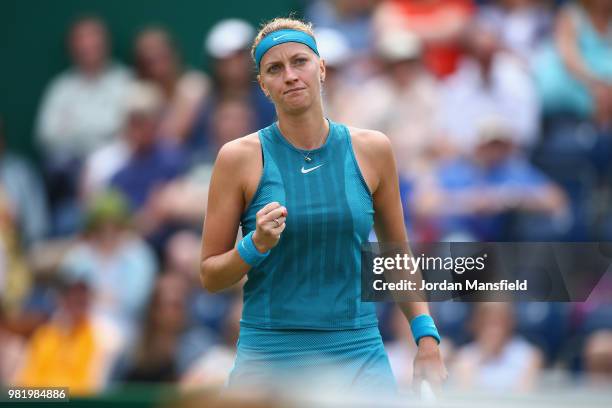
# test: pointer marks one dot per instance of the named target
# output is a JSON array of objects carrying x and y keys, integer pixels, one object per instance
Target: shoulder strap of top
[{"x": 345, "y": 136}]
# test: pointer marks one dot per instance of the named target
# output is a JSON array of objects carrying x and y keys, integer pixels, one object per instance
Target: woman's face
[
  {"x": 291, "y": 75},
  {"x": 155, "y": 56},
  {"x": 89, "y": 45}
]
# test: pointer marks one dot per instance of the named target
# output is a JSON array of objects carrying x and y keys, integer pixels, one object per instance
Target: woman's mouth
[{"x": 293, "y": 90}]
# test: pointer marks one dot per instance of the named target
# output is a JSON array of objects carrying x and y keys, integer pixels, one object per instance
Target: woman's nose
[{"x": 290, "y": 74}]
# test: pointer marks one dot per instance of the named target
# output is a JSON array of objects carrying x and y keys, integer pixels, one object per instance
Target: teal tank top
[{"x": 312, "y": 278}]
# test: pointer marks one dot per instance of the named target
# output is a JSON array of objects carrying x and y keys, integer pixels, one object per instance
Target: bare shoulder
[
  {"x": 374, "y": 155},
  {"x": 370, "y": 142},
  {"x": 239, "y": 165},
  {"x": 239, "y": 150}
]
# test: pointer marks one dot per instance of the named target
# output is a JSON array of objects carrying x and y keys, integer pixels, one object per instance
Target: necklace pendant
[{"x": 308, "y": 159}]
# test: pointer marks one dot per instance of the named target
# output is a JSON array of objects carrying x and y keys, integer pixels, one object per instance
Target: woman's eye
[
  {"x": 301, "y": 61},
  {"x": 273, "y": 69}
]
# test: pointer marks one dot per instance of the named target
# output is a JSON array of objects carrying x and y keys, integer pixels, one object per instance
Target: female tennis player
[{"x": 306, "y": 192}]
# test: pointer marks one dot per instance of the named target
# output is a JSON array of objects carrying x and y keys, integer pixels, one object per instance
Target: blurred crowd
[{"x": 500, "y": 115}]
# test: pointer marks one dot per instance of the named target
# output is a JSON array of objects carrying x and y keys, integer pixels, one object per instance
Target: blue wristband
[
  {"x": 423, "y": 326},
  {"x": 248, "y": 251}
]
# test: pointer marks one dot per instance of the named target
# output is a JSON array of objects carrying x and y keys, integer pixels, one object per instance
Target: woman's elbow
[{"x": 205, "y": 279}]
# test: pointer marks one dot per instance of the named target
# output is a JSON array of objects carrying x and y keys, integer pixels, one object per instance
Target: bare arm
[
  {"x": 375, "y": 154},
  {"x": 550, "y": 199},
  {"x": 221, "y": 266},
  {"x": 193, "y": 88},
  {"x": 566, "y": 40},
  {"x": 431, "y": 200},
  {"x": 388, "y": 214}
]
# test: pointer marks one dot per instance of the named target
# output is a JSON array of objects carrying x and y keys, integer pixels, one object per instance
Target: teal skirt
[{"x": 338, "y": 360}]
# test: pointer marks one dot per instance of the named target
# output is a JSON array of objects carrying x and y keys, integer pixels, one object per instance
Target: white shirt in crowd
[
  {"x": 467, "y": 100},
  {"x": 504, "y": 372},
  {"x": 79, "y": 113}
]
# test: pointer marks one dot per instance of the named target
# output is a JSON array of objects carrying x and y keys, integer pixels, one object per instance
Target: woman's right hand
[{"x": 269, "y": 226}]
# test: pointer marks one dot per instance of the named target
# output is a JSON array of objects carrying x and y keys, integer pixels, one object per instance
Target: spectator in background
[
  {"x": 143, "y": 105},
  {"x": 15, "y": 278},
  {"x": 154, "y": 358},
  {"x": 228, "y": 44},
  {"x": 488, "y": 82},
  {"x": 71, "y": 350},
  {"x": 351, "y": 17},
  {"x": 12, "y": 348},
  {"x": 402, "y": 101},
  {"x": 232, "y": 119},
  {"x": 497, "y": 360},
  {"x": 119, "y": 265},
  {"x": 157, "y": 60},
  {"x": 151, "y": 162},
  {"x": 147, "y": 169},
  {"x": 213, "y": 367},
  {"x": 22, "y": 222},
  {"x": 575, "y": 76},
  {"x": 178, "y": 203},
  {"x": 24, "y": 192},
  {"x": 439, "y": 24},
  {"x": 486, "y": 186},
  {"x": 340, "y": 90},
  {"x": 80, "y": 111},
  {"x": 141, "y": 99},
  {"x": 597, "y": 356},
  {"x": 521, "y": 25},
  {"x": 206, "y": 312}
]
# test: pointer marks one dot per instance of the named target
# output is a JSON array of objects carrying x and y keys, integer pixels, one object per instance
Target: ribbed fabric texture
[{"x": 311, "y": 279}]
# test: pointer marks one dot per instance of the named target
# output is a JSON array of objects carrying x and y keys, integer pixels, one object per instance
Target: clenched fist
[{"x": 270, "y": 225}]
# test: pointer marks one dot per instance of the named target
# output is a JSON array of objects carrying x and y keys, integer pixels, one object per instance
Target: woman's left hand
[{"x": 428, "y": 365}]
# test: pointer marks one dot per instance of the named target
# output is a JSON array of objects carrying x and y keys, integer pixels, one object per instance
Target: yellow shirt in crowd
[{"x": 62, "y": 357}]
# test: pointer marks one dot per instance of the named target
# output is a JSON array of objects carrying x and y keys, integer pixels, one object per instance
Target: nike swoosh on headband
[
  {"x": 279, "y": 37},
  {"x": 305, "y": 171}
]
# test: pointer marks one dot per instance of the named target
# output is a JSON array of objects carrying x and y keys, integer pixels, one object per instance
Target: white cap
[
  {"x": 228, "y": 36},
  {"x": 333, "y": 46},
  {"x": 399, "y": 45}
]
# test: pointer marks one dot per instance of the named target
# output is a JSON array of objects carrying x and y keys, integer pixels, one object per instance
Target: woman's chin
[{"x": 295, "y": 105}]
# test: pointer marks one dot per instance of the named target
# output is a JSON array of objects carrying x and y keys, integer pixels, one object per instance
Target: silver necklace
[{"x": 307, "y": 157}]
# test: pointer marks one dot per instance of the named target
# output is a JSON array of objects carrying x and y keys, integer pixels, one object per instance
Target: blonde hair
[{"x": 280, "y": 23}]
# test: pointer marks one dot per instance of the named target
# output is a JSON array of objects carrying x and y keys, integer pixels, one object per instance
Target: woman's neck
[{"x": 305, "y": 131}]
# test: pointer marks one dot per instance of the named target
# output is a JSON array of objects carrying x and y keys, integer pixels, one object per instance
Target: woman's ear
[
  {"x": 322, "y": 69},
  {"x": 261, "y": 85}
]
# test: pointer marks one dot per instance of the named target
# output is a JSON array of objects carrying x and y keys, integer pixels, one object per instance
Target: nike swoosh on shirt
[
  {"x": 305, "y": 171},
  {"x": 279, "y": 37}
]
